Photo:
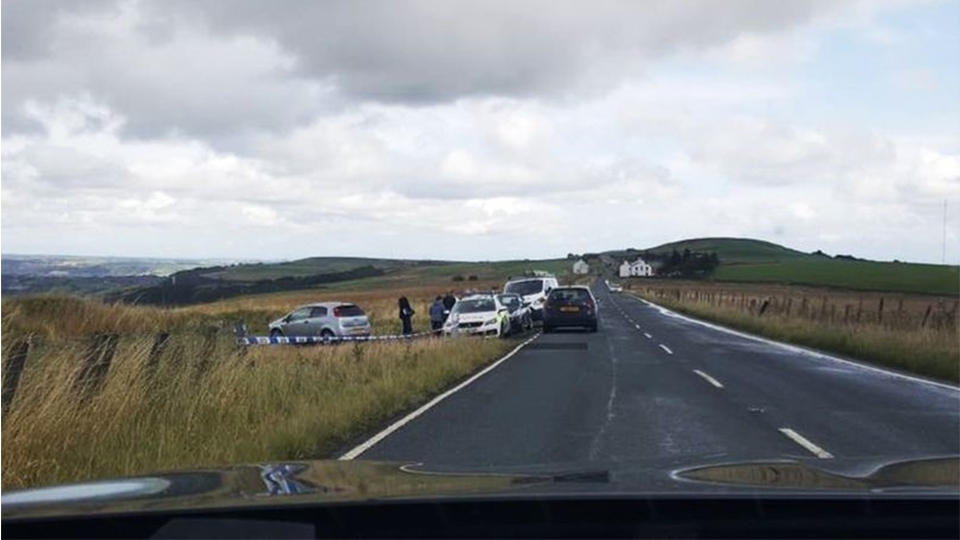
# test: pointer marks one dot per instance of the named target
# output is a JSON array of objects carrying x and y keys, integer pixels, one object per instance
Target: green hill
[
  {"x": 735, "y": 250},
  {"x": 749, "y": 260}
]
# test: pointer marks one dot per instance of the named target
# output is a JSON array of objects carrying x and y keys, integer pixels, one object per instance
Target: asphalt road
[{"x": 655, "y": 391}]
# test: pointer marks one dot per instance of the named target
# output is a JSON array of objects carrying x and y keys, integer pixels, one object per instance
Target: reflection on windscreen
[
  {"x": 476, "y": 306},
  {"x": 530, "y": 286}
]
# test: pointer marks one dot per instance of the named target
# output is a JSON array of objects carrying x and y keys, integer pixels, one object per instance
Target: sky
[{"x": 478, "y": 131}]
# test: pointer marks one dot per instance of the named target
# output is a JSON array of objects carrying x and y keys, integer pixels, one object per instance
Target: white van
[{"x": 533, "y": 290}]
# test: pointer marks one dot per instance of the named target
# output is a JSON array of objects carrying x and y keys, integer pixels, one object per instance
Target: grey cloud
[
  {"x": 432, "y": 50},
  {"x": 29, "y": 25},
  {"x": 218, "y": 69}
]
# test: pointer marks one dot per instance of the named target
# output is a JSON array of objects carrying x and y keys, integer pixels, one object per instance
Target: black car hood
[{"x": 318, "y": 482}]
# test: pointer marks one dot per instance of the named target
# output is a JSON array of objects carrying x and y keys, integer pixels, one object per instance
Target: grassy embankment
[
  {"x": 862, "y": 275},
  {"x": 914, "y": 333},
  {"x": 202, "y": 401}
]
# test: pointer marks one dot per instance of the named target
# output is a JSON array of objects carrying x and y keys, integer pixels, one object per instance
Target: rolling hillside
[
  {"x": 735, "y": 250},
  {"x": 749, "y": 260}
]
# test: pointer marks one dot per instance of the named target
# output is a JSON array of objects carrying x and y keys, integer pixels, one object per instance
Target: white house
[
  {"x": 581, "y": 267},
  {"x": 636, "y": 268}
]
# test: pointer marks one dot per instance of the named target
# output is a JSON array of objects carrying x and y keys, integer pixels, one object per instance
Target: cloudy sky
[{"x": 482, "y": 130}]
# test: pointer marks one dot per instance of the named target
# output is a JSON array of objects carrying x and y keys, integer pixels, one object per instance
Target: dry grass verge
[
  {"x": 914, "y": 334},
  {"x": 205, "y": 402}
]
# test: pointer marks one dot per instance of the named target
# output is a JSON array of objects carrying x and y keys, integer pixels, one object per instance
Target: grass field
[
  {"x": 913, "y": 333},
  {"x": 204, "y": 401},
  {"x": 864, "y": 275},
  {"x": 396, "y": 268}
]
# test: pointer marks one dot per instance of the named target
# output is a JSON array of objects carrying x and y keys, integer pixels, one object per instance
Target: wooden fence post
[
  {"x": 880, "y": 311},
  {"x": 96, "y": 365},
  {"x": 207, "y": 350},
  {"x": 926, "y": 316},
  {"x": 156, "y": 351},
  {"x": 16, "y": 361}
]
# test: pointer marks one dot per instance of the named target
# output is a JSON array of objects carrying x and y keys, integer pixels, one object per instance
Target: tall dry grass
[
  {"x": 203, "y": 408},
  {"x": 202, "y": 401},
  {"x": 915, "y": 333}
]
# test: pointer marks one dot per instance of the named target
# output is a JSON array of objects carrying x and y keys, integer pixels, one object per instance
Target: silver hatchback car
[{"x": 324, "y": 319}]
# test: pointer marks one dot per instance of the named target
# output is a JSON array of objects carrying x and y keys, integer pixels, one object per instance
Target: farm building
[
  {"x": 581, "y": 267},
  {"x": 636, "y": 268}
]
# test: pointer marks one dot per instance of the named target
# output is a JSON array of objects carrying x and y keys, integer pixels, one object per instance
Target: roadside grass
[
  {"x": 916, "y": 334},
  {"x": 863, "y": 275},
  {"x": 204, "y": 407}
]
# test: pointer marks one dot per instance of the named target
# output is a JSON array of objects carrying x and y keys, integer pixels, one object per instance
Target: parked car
[
  {"x": 519, "y": 311},
  {"x": 479, "y": 314},
  {"x": 324, "y": 319},
  {"x": 570, "y": 306},
  {"x": 533, "y": 291}
]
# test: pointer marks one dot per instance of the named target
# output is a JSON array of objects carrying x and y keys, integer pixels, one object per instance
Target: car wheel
[
  {"x": 276, "y": 333},
  {"x": 327, "y": 334}
]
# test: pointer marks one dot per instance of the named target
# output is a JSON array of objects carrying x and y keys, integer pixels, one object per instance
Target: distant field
[
  {"x": 861, "y": 275},
  {"x": 301, "y": 268}
]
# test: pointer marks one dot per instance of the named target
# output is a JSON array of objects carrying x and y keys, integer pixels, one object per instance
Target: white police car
[{"x": 479, "y": 314}]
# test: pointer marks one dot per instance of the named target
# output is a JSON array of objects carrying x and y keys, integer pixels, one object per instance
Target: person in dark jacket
[
  {"x": 406, "y": 314},
  {"x": 448, "y": 302},
  {"x": 437, "y": 316}
]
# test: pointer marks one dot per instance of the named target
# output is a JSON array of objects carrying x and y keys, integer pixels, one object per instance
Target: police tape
[{"x": 303, "y": 340}]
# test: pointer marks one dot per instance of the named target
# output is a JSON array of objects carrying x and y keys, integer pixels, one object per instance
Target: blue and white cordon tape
[{"x": 269, "y": 340}]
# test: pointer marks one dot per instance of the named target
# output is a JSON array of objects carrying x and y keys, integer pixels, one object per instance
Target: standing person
[
  {"x": 448, "y": 302},
  {"x": 406, "y": 314},
  {"x": 437, "y": 316}
]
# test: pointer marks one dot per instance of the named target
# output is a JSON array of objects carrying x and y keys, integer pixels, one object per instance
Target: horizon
[
  {"x": 231, "y": 260},
  {"x": 485, "y": 130}
]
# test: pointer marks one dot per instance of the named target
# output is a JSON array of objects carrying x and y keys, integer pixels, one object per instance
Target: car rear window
[
  {"x": 348, "y": 311},
  {"x": 525, "y": 287},
  {"x": 569, "y": 295}
]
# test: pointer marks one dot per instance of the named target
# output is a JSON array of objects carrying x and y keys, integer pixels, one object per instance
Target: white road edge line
[
  {"x": 804, "y": 442},
  {"x": 797, "y": 348},
  {"x": 708, "y": 378},
  {"x": 665, "y": 348},
  {"x": 369, "y": 443},
  {"x": 648, "y": 335},
  {"x": 638, "y": 327}
]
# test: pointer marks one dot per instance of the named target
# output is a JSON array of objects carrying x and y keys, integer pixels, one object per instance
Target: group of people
[{"x": 439, "y": 311}]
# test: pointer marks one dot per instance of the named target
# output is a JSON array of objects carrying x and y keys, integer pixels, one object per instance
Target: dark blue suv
[{"x": 570, "y": 306}]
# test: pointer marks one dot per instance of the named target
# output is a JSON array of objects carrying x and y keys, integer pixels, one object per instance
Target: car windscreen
[
  {"x": 569, "y": 295},
  {"x": 476, "y": 305},
  {"x": 511, "y": 302},
  {"x": 525, "y": 287}
]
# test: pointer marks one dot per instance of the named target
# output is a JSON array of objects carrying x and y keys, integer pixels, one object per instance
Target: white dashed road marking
[
  {"x": 804, "y": 442},
  {"x": 666, "y": 349},
  {"x": 708, "y": 378},
  {"x": 648, "y": 335}
]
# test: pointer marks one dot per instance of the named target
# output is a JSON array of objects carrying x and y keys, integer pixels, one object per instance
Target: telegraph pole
[{"x": 943, "y": 252}]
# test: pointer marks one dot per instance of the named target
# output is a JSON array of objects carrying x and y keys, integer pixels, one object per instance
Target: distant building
[
  {"x": 637, "y": 268},
  {"x": 581, "y": 267}
]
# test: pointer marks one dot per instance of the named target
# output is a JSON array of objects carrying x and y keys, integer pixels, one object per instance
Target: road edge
[
  {"x": 359, "y": 449},
  {"x": 798, "y": 348}
]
